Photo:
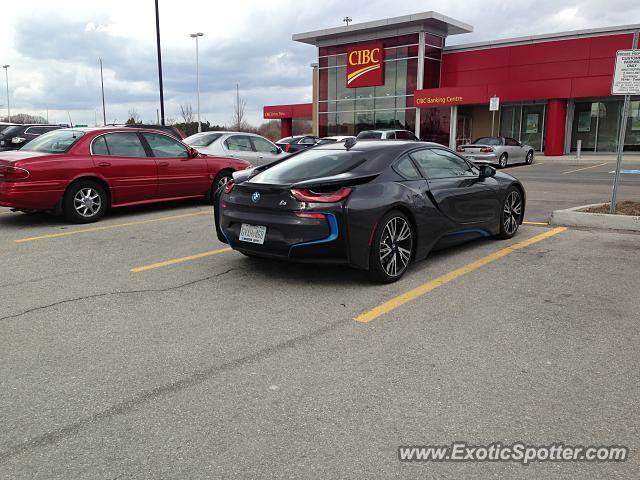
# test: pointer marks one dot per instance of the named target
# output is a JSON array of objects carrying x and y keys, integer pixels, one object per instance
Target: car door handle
[
  {"x": 164, "y": 164},
  {"x": 104, "y": 164},
  {"x": 260, "y": 156}
]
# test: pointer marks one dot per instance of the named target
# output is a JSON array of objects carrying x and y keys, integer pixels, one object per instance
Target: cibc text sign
[{"x": 626, "y": 75}]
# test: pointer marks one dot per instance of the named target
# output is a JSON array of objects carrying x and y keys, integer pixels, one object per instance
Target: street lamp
[
  {"x": 6, "y": 76},
  {"x": 196, "y": 35}
]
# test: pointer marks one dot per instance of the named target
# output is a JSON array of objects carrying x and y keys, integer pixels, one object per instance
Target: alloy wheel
[
  {"x": 529, "y": 158},
  {"x": 223, "y": 181},
  {"x": 502, "y": 161},
  {"x": 87, "y": 202},
  {"x": 512, "y": 212},
  {"x": 396, "y": 244}
]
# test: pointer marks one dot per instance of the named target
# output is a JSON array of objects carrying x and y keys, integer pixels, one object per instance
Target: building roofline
[
  {"x": 434, "y": 20},
  {"x": 567, "y": 35}
]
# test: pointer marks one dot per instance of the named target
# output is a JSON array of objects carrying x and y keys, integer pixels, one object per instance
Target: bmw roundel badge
[{"x": 255, "y": 197}]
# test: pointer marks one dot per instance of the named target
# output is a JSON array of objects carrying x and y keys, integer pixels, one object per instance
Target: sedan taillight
[
  {"x": 11, "y": 174},
  {"x": 229, "y": 186},
  {"x": 304, "y": 195},
  {"x": 487, "y": 150}
]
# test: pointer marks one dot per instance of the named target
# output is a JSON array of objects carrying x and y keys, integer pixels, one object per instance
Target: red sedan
[{"x": 83, "y": 172}]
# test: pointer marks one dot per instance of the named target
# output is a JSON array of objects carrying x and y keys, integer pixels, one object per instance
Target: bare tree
[
  {"x": 24, "y": 118},
  {"x": 134, "y": 117},
  {"x": 238, "y": 121},
  {"x": 186, "y": 111}
]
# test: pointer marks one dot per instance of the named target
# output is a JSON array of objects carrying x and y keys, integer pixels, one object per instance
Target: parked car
[
  {"x": 13, "y": 137},
  {"x": 297, "y": 143},
  {"x": 335, "y": 139},
  {"x": 82, "y": 172},
  {"x": 253, "y": 148},
  {"x": 374, "y": 205},
  {"x": 498, "y": 151},
  {"x": 171, "y": 130},
  {"x": 387, "y": 134}
]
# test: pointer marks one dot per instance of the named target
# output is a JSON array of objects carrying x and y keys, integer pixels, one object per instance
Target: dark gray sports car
[{"x": 370, "y": 204}]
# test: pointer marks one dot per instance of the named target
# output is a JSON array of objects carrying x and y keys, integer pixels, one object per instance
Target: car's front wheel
[
  {"x": 529, "y": 158},
  {"x": 392, "y": 248},
  {"x": 511, "y": 215},
  {"x": 502, "y": 161},
  {"x": 85, "y": 201}
]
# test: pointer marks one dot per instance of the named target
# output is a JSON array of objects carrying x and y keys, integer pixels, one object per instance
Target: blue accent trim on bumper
[
  {"x": 484, "y": 233},
  {"x": 333, "y": 233}
]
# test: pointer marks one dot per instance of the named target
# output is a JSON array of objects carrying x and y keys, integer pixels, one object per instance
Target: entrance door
[{"x": 463, "y": 130}]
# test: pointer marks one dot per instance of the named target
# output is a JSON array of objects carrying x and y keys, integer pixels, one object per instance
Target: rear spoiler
[{"x": 340, "y": 180}]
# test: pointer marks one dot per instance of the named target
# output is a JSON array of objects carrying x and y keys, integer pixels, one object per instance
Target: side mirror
[
  {"x": 486, "y": 171},
  {"x": 278, "y": 150},
  {"x": 193, "y": 153}
]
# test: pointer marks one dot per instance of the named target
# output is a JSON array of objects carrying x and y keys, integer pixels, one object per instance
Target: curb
[{"x": 572, "y": 217}]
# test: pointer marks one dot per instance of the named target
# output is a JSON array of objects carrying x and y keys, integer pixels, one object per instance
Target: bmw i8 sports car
[{"x": 370, "y": 204}]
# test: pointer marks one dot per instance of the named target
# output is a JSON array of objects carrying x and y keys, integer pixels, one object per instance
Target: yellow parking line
[
  {"x": 448, "y": 277},
  {"x": 535, "y": 223},
  {"x": 168, "y": 263},
  {"x": 109, "y": 227},
  {"x": 585, "y": 168}
]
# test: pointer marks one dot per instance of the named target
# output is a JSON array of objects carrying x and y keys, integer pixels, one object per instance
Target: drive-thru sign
[{"x": 626, "y": 81}]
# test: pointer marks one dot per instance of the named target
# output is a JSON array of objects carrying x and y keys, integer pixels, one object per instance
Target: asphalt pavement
[{"x": 140, "y": 347}]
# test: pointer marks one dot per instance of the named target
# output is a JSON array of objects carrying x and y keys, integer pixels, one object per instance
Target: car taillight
[
  {"x": 487, "y": 150},
  {"x": 287, "y": 147},
  {"x": 459, "y": 149},
  {"x": 303, "y": 195},
  {"x": 10, "y": 174},
  {"x": 229, "y": 186},
  {"x": 318, "y": 216}
]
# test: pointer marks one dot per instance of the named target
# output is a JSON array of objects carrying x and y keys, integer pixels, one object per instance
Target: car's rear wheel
[
  {"x": 529, "y": 158},
  {"x": 392, "y": 248},
  {"x": 502, "y": 161},
  {"x": 85, "y": 201},
  {"x": 222, "y": 178},
  {"x": 511, "y": 215}
]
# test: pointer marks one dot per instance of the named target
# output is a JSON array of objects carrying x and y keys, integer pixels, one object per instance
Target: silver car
[
  {"x": 497, "y": 150},
  {"x": 253, "y": 148}
]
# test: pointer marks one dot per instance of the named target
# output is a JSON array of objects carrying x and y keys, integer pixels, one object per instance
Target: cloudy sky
[{"x": 53, "y": 48}]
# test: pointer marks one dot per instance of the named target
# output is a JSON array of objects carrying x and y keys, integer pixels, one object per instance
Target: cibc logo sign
[{"x": 365, "y": 65}]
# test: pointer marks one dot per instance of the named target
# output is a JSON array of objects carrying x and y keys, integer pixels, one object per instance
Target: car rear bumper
[
  {"x": 288, "y": 237},
  {"x": 30, "y": 195},
  {"x": 484, "y": 158}
]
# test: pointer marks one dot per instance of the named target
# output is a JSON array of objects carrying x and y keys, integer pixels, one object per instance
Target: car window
[
  {"x": 488, "y": 141},
  {"x": 262, "y": 145},
  {"x": 406, "y": 168},
  {"x": 50, "y": 129},
  {"x": 58, "y": 141},
  {"x": 163, "y": 146},
  {"x": 288, "y": 140},
  {"x": 308, "y": 164},
  {"x": 99, "y": 146},
  {"x": 308, "y": 141},
  {"x": 438, "y": 163},
  {"x": 405, "y": 135},
  {"x": 368, "y": 135},
  {"x": 238, "y": 143},
  {"x": 392, "y": 135},
  {"x": 121, "y": 144},
  {"x": 202, "y": 139},
  {"x": 34, "y": 131},
  {"x": 510, "y": 142}
]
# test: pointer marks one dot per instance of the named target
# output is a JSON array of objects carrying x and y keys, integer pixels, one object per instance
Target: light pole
[
  {"x": 6, "y": 76},
  {"x": 104, "y": 111},
  {"x": 159, "y": 64},
  {"x": 196, "y": 35}
]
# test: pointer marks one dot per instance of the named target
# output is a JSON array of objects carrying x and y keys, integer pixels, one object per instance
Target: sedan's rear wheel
[
  {"x": 392, "y": 248},
  {"x": 85, "y": 202},
  {"x": 511, "y": 215}
]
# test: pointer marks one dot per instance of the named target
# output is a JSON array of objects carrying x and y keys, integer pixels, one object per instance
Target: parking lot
[{"x": 141, "y": 347}]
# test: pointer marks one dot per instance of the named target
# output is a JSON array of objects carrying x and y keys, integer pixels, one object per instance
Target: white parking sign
[{"x": 626, "y": 76}]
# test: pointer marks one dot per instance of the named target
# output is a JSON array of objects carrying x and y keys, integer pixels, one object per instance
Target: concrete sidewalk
[{"x": 588, "y": 159}]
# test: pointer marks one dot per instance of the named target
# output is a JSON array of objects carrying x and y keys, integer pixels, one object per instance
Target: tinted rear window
[
  {"x": 8, "y": 131},
  {"x": 488, "y": 141},
  {"x": 308, "y": 165},
  {"x": 203, "y": 140},
  {"x": 369, "y": 136},
  {"x": 57, "y": 141}
]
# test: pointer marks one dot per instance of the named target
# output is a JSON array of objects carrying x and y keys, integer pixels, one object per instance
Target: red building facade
[{"x": 554, "y": 90}]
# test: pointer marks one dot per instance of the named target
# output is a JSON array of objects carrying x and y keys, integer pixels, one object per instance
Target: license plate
[
  {"x": 471, "y": 157},
  {"x": 252, "y": 233}
]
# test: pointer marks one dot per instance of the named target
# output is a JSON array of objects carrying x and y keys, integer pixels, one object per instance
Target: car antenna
[
  {"x": 73, "y": 132},
  {"x": 350, "y": 143}
]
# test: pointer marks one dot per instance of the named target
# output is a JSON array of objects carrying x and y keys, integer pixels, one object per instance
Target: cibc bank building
[{"x": 554, "y": 90}]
